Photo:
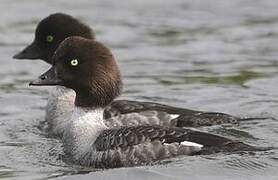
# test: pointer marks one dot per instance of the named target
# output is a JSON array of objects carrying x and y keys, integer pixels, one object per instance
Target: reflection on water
[{"x": 207, "y": 55}]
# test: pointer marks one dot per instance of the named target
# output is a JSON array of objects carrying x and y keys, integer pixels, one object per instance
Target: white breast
[
  {"x": 82, "y": 130},
  {"x": 59, "y": 109}
]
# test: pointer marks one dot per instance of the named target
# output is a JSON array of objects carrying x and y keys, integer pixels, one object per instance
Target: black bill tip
[
  {"x": 48, "y": 78},
  {"x": 30, "y": 52},
  {"x": 19, "y": 55}
]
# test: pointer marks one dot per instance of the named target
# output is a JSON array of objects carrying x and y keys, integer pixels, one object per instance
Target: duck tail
[{"x": 254, "y": 118}]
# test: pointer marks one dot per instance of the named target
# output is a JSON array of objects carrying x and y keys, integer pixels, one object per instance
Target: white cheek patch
[{"x": 188, "y": 143}]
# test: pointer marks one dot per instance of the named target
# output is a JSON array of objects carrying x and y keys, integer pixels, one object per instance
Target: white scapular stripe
[
  {"x": 174, "y": 116},
  {"x": 188, "y": 143}
]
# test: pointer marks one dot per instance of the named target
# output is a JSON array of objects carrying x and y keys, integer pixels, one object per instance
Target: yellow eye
[
  {"x": 49, "y": 38},
  {"x": 74, "y": 62}
]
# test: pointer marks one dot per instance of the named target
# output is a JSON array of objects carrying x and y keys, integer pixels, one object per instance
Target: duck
[
  {"x": 89, "y": 68},
  {"x": 50, "y": 32}
]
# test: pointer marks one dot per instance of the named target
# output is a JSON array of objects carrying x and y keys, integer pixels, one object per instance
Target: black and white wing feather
[
  {"x": 142, "y": 145},
  {"x": 165, "y": 115},
  {"x": 130, "y": 136}
]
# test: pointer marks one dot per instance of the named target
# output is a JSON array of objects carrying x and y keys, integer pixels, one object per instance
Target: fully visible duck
[
  {"x": 89, "y": 68},
  {"x": 50, "y": 32}
]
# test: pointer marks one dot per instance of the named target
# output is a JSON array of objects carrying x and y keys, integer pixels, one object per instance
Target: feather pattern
[
  {"x": 89, "y": 142},
  {"x": 182, "y": 117}
]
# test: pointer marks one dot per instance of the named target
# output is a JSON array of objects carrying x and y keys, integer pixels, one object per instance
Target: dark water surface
[{"x": 214, "y": 55}]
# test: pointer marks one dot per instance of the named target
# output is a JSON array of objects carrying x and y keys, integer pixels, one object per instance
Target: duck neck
[
  {"x": 63, "y": 93},
  {"x": 89, "y": 99}
]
